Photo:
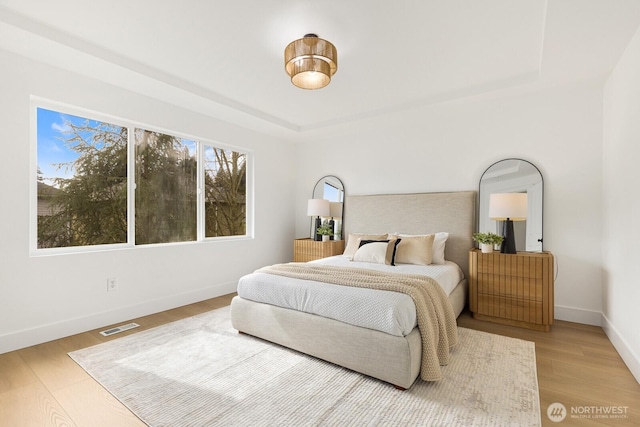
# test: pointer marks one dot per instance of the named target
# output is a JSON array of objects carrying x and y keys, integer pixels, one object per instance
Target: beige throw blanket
[{"x": 436, "y": 319}]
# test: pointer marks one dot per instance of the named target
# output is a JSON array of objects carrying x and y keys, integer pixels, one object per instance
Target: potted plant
[
  {"x": 487, "y": 241},
  {"x": 325, "y": 230}
]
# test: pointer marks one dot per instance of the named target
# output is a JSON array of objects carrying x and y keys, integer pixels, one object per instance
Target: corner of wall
[
  {"x": 630, "y": 358},
  {"x": 68, "y": 327},
  {"x": 578, "y": 315}
]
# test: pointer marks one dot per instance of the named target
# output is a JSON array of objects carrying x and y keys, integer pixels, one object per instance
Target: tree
[
  {"x": 166, "y": 189},
  {"x": 91, "y": 206},
  {"x": 225, "y": 194}
]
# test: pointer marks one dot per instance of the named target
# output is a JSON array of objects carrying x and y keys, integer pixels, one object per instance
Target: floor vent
[{"x": 119, "y": 329}]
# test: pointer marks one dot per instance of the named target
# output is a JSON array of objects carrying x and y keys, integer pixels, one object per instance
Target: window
[
  {"x": 100, "y": 183},
  {"x": 166, "y": 188},
  {"x": 225, "y": 174},
  {"x": 82, "y": 181}
]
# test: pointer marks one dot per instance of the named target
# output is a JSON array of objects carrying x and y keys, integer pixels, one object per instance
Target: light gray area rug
[{"x": 200, "y": 372}]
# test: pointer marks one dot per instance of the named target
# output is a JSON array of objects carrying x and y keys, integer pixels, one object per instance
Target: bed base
[{"x": 389, "y": 358}]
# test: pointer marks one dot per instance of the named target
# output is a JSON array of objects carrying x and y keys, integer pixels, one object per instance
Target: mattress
[{"x": 385, "y": 311}]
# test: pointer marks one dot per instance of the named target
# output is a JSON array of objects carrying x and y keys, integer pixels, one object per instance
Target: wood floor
[
  {"x": 578, "y": 367},
  {"x": 41, "y": 386}
]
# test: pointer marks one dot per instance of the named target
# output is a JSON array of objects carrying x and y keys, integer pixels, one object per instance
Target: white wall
[
  {"x": 448, "y": 147},
  {"x": 42, "y": 298},
  {"x": 621, "y": 219},
  {"x": 434, "y": 148}
]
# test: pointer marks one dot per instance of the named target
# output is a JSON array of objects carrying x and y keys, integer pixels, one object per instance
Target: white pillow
[
  {"x": 353, "y": 242},
  {"x": 376, "y": 252},
  {"x": 438, "y": 248}
]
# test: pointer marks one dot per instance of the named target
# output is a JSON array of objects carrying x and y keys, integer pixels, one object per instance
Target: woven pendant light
[{"x": 310, "y": 62}]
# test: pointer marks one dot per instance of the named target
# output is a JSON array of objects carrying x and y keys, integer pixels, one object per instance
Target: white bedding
[{"x": 385, "y": 311}]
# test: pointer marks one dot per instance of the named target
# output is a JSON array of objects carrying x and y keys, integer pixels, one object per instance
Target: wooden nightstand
[
  {"x": 513, "y": 289},
  {"x": 307, "y": 250}
]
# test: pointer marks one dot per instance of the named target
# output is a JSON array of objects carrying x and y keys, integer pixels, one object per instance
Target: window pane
[
  {"x": 225, "y": 192},
  {"x": 82, "y": 181},
  {"x": 166, "y": 201}
]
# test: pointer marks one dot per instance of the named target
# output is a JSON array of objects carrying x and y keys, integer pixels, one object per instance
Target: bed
[{"x": 386, "y": 355}]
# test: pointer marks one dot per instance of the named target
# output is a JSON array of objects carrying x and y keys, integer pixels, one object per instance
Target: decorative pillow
[
  {"x": 353, "y": 242},
  {"x": 390, "y": 256},
  {"x": 439, "y": 244},
  {"x": 376, "y": 251},
  {"x": 415, "y": 250}
]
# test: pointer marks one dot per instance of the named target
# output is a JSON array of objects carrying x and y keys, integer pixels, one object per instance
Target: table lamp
[
  {"x": 508, "y": 207},
  {"x": 317, "y": 208}
]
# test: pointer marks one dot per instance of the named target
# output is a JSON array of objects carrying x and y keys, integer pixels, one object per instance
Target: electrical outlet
[{"x": 112, "y": 284}]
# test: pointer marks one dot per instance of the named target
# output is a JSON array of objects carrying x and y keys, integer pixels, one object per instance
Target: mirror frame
[
  {"x": 318, "y": 193},
  {"x": 522, "y": 186}
]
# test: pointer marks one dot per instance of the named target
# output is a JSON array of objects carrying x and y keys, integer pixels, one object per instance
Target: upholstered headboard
[{"x": 420, "y": 213}]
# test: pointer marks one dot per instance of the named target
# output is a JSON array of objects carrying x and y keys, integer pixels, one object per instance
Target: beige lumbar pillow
[
  {"x": 415, "y": 250},
  {"x": 353, "y": 242}
]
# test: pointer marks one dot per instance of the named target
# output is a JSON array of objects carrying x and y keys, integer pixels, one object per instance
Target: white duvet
[{"x": 385, "y": 311}]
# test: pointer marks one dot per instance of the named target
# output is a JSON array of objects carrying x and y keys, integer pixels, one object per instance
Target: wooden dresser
[
  {"x": 308, "y": 250},
  {"x": 513, "y": 289}
]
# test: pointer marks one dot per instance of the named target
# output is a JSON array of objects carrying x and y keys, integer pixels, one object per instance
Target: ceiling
[{"x": 225, "y": 58}]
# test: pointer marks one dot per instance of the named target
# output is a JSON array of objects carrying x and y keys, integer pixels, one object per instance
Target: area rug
[{"x": 200, "y": 372}]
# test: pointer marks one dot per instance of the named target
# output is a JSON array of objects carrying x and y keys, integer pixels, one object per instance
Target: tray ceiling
[{"x": 226, "y": 58}]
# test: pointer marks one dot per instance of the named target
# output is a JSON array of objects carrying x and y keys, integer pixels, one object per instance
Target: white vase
[
  {"x": 325, "y": 237},
  {"x": 486, "y": 248}
]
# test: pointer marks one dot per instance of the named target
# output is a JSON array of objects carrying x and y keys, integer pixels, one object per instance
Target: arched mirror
[
  {"x": 513, "y": 176},
  {"x": 330, "y": 188}
]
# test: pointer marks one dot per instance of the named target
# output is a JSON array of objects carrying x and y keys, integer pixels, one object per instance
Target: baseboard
[
  {"x": 67, "y": 327},
  {"x": 630, "y": 358},
  {"x": 578, "y": 315}
]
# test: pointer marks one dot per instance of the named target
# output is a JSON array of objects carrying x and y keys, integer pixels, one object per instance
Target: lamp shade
[
  {"x": 310, "y": 62},
  {"x": 318, "y": 207},
  {"x": 511, "y": 206},
  {"x": 335, "y": 209}
]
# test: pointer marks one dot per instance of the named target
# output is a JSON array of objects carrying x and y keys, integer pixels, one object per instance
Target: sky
[
  {"x": 331, "y": 193},
  {"x": 51, "y": 150}
]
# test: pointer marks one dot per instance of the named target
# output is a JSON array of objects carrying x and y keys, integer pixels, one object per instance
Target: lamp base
[
  {"x": 318, "y": 237},
  {"x": 509, "y": 243}
]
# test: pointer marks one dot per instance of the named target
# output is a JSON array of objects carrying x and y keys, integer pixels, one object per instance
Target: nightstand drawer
[
  {"x": 305, "y": 250},
  {"x": 511, "y": 308},
  {"x": 510, "y": 286},
  {"x": 521, "y": 265}
]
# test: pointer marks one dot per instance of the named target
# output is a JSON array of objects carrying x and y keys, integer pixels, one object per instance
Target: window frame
[{"x": 131, "y": 125}]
